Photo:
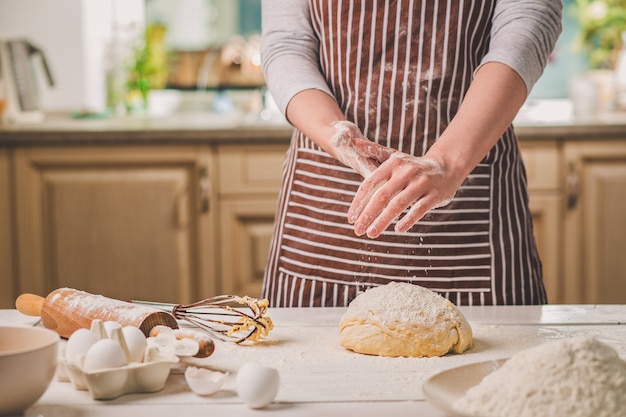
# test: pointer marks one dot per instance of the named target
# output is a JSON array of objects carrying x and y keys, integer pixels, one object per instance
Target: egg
[
  {"x": 78, "y": 344},
  {"x": 105, "y": 353},
  {"x": 136, "y": 343},
  {"x": 257, "y": 385}
]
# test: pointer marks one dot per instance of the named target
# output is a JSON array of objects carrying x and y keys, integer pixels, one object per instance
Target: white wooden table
[{"x": 320, "y": 378}]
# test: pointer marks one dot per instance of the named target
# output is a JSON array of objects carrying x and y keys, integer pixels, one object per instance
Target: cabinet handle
[
  {"x": 572, "y": 186},
  {"x": 205, "y": 189}
]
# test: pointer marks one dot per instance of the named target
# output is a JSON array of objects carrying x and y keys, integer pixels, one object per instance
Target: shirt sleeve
[
  {"x": 523, "y": 35},
  {"x": 289, "y": 50}
]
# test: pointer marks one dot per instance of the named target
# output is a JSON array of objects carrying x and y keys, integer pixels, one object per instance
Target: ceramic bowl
[{"x": 28, "y": 360}]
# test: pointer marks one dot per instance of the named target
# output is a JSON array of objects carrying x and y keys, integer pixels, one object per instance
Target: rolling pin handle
[{"x": 29, "y": 304}]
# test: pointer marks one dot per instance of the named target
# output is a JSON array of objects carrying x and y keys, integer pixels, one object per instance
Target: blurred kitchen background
[
  {"x": 98, "y": 50},
  {"x": 115, "y": 56}
]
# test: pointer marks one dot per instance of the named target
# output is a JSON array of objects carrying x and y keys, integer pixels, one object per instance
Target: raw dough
[{"x": 401, "y": 319}]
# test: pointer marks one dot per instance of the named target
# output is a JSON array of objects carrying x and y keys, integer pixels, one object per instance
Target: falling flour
[{"x": 577, "y": 377}]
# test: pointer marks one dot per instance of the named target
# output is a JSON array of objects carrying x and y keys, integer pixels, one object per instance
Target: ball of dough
[{"x": 401, "y": 319}]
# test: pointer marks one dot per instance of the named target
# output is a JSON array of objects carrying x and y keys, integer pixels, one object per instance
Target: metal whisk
[{"x": 227, "y": 317}]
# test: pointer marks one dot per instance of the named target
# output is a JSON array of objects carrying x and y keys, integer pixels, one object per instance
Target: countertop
[
  {"x": 538, "y": 120},
  {"x": 319, "y": 377},
  {"x": 180, "y": 128}
]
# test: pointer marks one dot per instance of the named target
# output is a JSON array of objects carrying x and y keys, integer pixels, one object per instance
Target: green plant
[
  {"x": 601, "y": 25},
  {"x": 149, "y": 70}
]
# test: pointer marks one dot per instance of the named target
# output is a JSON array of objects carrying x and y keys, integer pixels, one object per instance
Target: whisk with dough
[{"x": 227, "y": 317}]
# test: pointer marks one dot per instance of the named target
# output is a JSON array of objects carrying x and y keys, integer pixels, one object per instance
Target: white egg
[
  {"x": 257, "y": 385},
  {"x": 105, "y": 353},
  {"x": 78, "y": 344},
  {"x": 136, "y": 343}
]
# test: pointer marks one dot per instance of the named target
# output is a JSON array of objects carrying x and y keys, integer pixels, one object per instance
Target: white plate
[{"x": 444, "y": 388}]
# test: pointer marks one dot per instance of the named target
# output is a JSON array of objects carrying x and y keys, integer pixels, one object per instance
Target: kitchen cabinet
[
  {"x": 542, "y": 162},
  {"x": 595, "y": 221},
  {"x": 249, "y": 181},
  {"x": 123, "y": 221},
  {"x": 7, "y": 275}
]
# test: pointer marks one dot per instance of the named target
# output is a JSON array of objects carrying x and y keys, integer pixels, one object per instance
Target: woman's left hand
[{"x": 402, "y": 182}]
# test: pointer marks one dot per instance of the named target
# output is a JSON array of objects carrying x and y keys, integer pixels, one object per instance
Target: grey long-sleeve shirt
[{"x": 523, "y": 35}]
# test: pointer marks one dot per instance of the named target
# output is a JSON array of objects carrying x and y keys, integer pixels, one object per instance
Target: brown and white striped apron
[{"x": 399, "y": 70}]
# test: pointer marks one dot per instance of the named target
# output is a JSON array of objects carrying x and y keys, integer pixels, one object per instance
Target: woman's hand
[
  {"x": 420, "y": 184},
  {"x": 402, "y": 182},
  {"x": 393, "y": 182},
  {"x": 351, "y": 148}
]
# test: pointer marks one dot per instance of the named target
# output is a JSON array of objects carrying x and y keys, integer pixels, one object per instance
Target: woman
[{"x": 404, "y": 165}]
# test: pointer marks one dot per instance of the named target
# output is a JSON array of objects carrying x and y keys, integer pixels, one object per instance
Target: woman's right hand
[{"x": 351, "y": 148}]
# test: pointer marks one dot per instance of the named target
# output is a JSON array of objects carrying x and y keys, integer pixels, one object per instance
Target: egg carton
[
  {"x": 142, "y": 372},
  {"x": 111, "y": 383}
]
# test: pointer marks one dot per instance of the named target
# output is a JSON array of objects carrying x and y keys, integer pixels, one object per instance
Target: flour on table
[
  {"x": 576, "y": 377},
  {"x": 402, "y": 319}
]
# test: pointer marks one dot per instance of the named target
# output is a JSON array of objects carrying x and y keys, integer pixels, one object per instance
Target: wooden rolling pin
[{"x": 66, "y": 310}]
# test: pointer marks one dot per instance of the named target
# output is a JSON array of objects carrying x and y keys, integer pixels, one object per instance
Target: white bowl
[
  {"x": 28, "y": 360},
  {"x": 163, "y": 102}
]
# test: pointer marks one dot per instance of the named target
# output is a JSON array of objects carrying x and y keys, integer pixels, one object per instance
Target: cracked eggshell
[
  {"x": 204, "y": 381},
  {"x": 186, "y": 347},
  {"x": 257, "y": 385},
  {"x": 167, "y": 343}
]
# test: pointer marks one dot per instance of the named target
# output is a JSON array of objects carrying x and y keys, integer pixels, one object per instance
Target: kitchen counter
[
  {"x": 319, "y": 377},
  {"x": 538, "y": 120},
  {"x": 180, "y": 129}
]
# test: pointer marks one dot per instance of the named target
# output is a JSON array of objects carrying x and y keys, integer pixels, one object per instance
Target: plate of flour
[
  {"x": 575, "y": 377},
  {"x": 445, "y": 388}
]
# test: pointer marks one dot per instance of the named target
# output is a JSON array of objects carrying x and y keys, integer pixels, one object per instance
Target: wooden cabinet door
[
  {"x": 246, "y": 231},
  {"x": 546, "y": 213},
  {"x": 595, "y": 222},
  {"x": 126, "y": 222},
  {"x": 542, "y": 162},
  {"x": 7, "y": 272},
  {"x": 249, "y": 182}
]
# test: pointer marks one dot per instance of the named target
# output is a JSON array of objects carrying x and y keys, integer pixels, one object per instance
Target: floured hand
[
  {"x": 352, "y": 149},
  {"x": 402, "y": 182}
]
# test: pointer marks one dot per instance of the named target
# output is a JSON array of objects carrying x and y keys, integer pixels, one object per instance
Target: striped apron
[{"x": 399, "y": 70}]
